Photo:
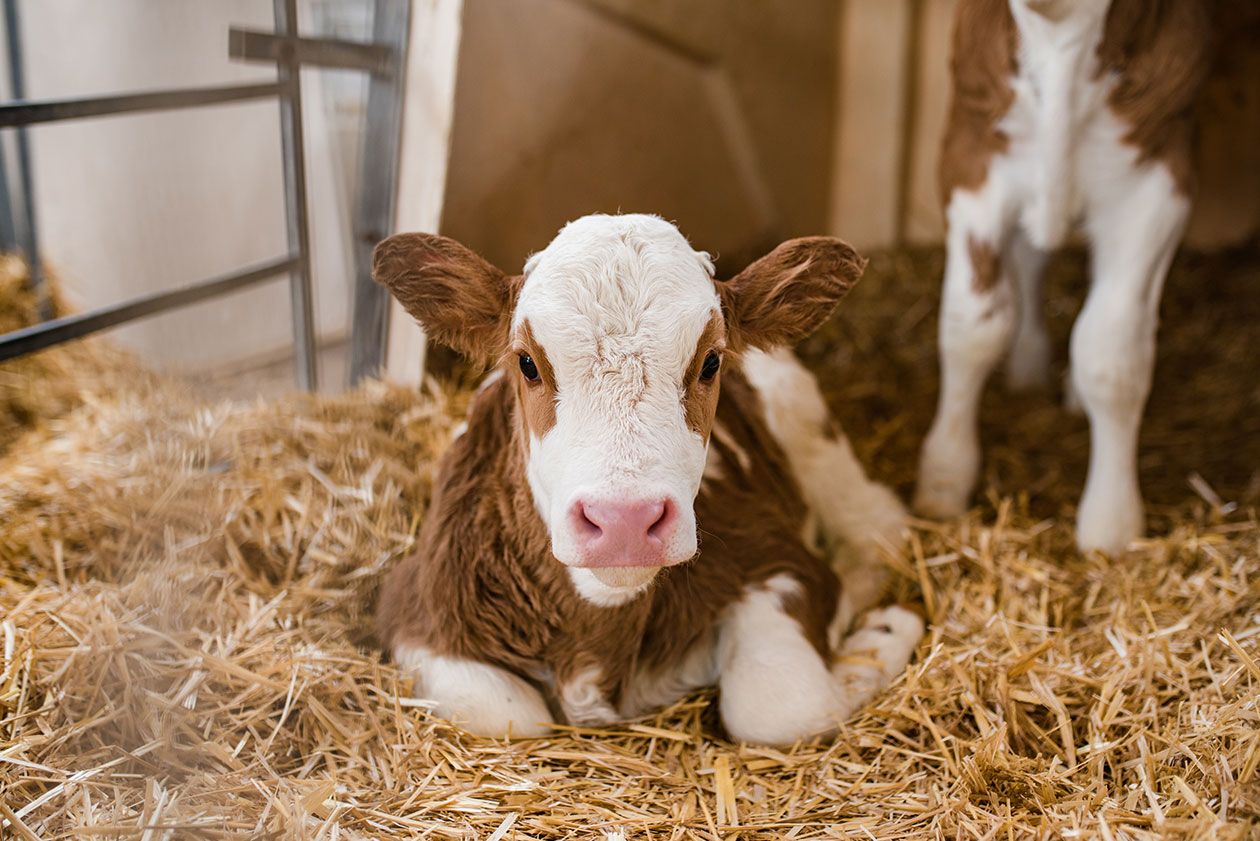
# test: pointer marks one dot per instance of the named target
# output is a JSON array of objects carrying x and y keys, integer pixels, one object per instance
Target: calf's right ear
[{"x": 460, "y": 299}]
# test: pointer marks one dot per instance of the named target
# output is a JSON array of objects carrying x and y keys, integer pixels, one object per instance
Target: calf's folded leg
[
  {"x": 850, "y": 506},
  {"x": 482, "y": 699},
  {"x": 775, "y": 687}
]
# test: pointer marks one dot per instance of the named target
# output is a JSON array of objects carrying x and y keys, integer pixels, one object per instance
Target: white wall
[{"x": 137, "y": 203}]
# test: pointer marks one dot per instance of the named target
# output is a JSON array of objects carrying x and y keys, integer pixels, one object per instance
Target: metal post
[
  {"x": 8, "y": 232},
  {"x": 289, "y": 77},
  {"x": 377, "y": 189},
  {"x": 30, "y": 232}
]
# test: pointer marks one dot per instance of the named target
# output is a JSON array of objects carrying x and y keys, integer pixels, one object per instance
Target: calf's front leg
[
  {"x": 482, "y": 699},
  {"x": 977, "y": 321},
  {"x": 1135, "y": 229}
]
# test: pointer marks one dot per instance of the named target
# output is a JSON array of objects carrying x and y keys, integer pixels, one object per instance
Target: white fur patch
[
  {"x": 774, "y": 687},
  {"x": 584, "y": 702},
  {"x": 598, "y": 593},
  {"x": 848, "y": 506},
  {"x": 618, "y": 304},
  {"x": 482, "y": 699}
]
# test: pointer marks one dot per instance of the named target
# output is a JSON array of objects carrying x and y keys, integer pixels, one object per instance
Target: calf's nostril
[
  {"x": 663, "y": 521},
  {"x": 586, "y": 526}
]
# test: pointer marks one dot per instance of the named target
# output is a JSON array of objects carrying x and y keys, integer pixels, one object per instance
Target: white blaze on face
[{"x": 617, "y": 304}]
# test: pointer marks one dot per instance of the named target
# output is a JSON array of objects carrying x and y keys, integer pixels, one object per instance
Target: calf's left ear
[
  {"x": 787, "y": 294},
  {"x": 459, "y": 298}
]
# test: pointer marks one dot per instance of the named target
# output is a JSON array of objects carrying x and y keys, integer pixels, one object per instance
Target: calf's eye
[
  {"x": 528, "y": 368},
  {"x": 710, "y": 367}
]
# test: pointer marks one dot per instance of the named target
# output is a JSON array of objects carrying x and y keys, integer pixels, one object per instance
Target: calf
[
  {"x": 1063, "y": 111},
  {"x": 637, "y": 403}
]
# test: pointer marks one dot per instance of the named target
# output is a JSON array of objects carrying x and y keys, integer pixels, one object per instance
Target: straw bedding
[
  {"x": 36, "y": 388},
  {"x": 186, "y": 593}
]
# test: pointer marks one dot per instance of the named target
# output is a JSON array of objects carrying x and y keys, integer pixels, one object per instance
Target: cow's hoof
[
  {"x": 941, "y": 500},
  {"x": 1109, "y": 525}
]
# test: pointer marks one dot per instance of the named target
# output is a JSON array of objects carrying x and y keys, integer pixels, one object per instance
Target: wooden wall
[{"x": 892, "y": 88}]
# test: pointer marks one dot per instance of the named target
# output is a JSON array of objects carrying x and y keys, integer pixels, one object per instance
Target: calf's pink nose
[{"x": 623, "y": 534}]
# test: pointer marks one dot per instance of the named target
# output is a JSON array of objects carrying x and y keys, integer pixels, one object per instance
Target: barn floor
[{"x": 185, "y": 592}]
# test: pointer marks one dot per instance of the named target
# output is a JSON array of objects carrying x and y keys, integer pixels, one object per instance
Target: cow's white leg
[
  {"x": 977, "y": 317},
  {"x": 775, "y": 688},
  {"x": 850, "y": 506},
  {"x": 1135, "y": 227},
  {"x": 1028, "y": 366},
  {"x": 482, "y": 699}
]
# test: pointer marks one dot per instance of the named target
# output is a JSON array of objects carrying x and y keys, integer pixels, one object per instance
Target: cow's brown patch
[
  {"x": 461, "y": 300},
  {"x": 536, "y": 400},
  {"x": 787, "y": 294},
  {"x": 985, "y": 266},
  {"x": 1160, "y": 52},
  {"x": 700, "y": 399},
  {"x": 981, "y": 66},
  {"x": 484, "y": 584}
]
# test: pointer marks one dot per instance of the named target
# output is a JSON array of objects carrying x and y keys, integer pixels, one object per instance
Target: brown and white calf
[
  {"x": 1064, "y": 112},
  {"x": 637, "y": 403}
]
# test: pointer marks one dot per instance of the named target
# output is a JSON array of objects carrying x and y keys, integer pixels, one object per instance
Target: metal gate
[{"x": 383, "y": 58}]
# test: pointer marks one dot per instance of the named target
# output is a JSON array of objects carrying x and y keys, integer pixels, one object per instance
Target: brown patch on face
[
  {"x": 985, "y": 266},
  {"x": 982, "y": 65},
  {"x": 700, "y": 399},
  {"x": 787, "y": 294},
  {"x": 1161, "y": 52},
  {"x": 537, "y": 400}
]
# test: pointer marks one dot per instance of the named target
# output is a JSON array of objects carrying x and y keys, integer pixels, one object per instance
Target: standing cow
[
  {"x": 635, "y": 404},
  {"x": 1063, "y": 112}
]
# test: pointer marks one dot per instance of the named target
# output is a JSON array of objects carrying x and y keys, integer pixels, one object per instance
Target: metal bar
[
  {"x": 29, "y": 229},
  {"x": 48, "y": 333},
  {"x": 8, "y": 231},
  {"x": 378, "y": 185},
  {"x": 15, "y": 114},
  {"x": 289, "y": 76},
  {"x": 324, "y": 52}
]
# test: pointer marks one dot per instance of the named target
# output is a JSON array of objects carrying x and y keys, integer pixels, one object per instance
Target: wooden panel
[
  {"x": 870, "y": 121},
  {"x": 924, "y": 221},
  {"x": 715, "y": 115},
  {"x": 426, "y": 134}
]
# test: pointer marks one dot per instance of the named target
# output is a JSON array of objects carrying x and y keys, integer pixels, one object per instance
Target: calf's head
[{"x": 614, "y": 339}]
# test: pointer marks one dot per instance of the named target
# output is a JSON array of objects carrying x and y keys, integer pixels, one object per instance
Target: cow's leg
[
  {"x": 850, "y": 507},
  {"x": 775, "y": 688},
  {"x": 977, "y": 318},
  {"x": 1135, "y": 228},
  {"x": 482, "y": 699},
  {"x": 1028, "y": 366}
]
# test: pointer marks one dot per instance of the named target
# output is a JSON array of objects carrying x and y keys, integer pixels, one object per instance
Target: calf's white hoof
[
  {"x": 1109, "y": 526},
  {"x": 941, "y": 500},
  {"x": 948, "y": 467}
]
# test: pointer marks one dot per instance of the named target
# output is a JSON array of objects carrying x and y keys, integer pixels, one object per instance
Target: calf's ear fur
[
  {"x": 461, "y": 300},
  {"x": 787, "y": 294}
]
